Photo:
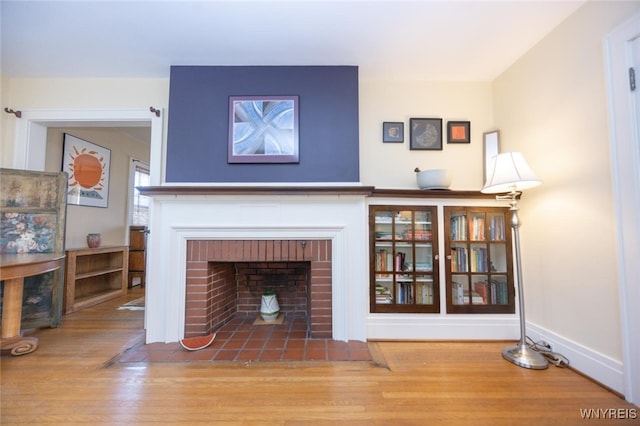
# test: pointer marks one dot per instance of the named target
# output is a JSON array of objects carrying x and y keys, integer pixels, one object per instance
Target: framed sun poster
[{"x": 87, "y": 166}]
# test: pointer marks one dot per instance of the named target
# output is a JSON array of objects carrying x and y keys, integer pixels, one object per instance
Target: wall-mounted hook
[
  {"x": 10, "y": 111},
  {"x": 155, "y": 111}
]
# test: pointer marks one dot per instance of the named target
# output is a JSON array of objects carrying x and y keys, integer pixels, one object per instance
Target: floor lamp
[{"x": 510, "y": 174}]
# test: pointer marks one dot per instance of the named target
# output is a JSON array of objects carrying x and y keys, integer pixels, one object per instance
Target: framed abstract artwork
[
  {"x": 263, "y": 129},
  {"x": 425, "y": 133},
  {"x": 87, "y": 166},
  {"x": 392, "y": 132},
  {"x": 458, "y": 132}
]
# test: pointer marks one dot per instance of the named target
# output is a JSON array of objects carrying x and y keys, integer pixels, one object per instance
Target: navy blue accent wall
[{"x": 197, "y": 139}]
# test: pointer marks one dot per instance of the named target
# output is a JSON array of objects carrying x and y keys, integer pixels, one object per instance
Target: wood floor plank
[{"x": 72, "y": 380}]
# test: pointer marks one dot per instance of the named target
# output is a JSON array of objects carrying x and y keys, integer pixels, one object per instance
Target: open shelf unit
[{"x": 95, "y": 275}]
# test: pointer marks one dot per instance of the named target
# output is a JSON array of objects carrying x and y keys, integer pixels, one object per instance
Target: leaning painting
[
  {"x": 87, "y": 165},
  {"x": 32, "y": 220},
  {"x": 263, "y": 129}
]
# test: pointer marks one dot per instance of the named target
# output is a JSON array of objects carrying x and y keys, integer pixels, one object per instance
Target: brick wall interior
[{"x": 226, "y": 278}]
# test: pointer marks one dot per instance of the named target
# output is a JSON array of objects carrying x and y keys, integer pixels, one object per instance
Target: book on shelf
[
  {"x": 399, "y": 265},
  {"x": 384, "y": 260},
  {"x": 459, "y": 259},
  {"x": 477, "y": 228},
  {"x": 482, "y": 289},
  {"x": 479, "y": 259},
  {"x": 424, "y": 267},
  {"x": 458, "y": 227},
  {"x": 497, "y": 228},
  {"x": 383, "y": 294},
  {"x": 425, "y": 293},
  {"x": 457, "y": 293},
  {"x": 499, "y": 293},
  {"x": 492, "y": 292},
  {"x": 418, "y": 235},
  {"x": 405, "y": 292},
  {"x": 474, "y": 297}
]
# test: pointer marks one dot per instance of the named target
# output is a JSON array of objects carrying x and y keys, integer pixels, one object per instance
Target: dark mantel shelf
[{"x": 368, "y": 191}]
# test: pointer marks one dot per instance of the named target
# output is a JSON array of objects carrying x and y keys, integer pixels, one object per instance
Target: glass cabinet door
[
  {"x": 478, "y": 246},
  {"x": 403, "y": 259}
]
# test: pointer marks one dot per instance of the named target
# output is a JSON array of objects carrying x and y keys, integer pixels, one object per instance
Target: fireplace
[
  {"x": 226, "y": 279},
  {"x": 197, "y": 223}
]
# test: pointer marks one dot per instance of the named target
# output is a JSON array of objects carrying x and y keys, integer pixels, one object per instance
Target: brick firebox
[{"x": 225, "y": 278}]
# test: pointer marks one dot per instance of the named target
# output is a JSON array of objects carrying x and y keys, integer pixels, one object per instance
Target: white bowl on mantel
[{"x": 433, "y": 179}]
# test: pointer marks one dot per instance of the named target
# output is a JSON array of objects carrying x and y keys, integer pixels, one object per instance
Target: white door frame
[
  {"x": 30, "y": 139},
  {"x": 31, "y": 134},
  {"x": 625, "y": 165}
]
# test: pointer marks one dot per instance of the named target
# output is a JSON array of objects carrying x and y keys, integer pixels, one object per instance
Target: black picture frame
[
  {"x": 393, "y": 132},
  {"x": 458, "y": 132},
  {"x": 425, "y": 134}
]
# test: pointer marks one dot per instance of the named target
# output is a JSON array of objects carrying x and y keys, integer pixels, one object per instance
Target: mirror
[{"x": 491, "y": 149}]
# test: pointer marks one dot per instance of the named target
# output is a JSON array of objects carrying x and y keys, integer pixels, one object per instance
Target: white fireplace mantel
[{"x": 177, "y": 218}]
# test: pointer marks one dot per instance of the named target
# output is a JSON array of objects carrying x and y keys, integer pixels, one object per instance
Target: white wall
[
  {"x": 391, "y": 165},
  {"x": 41, "y": 94},
  {"x": 551, "y": 105}
]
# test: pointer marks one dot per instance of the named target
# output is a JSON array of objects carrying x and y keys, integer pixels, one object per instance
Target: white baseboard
[
  {"x": 603, "y": 369},
  {"x": 442, "y": 327}
]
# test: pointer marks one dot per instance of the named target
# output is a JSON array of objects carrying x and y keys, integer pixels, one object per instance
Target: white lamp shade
[{"x": 509, "y": 172}]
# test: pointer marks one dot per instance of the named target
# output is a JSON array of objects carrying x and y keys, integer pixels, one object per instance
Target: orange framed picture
[
  {"x": 458, "y": 132},
  {"x": 87, "y": 166}
]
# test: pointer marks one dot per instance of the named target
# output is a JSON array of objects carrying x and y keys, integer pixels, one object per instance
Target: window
[{"x": 140, "y": 204}]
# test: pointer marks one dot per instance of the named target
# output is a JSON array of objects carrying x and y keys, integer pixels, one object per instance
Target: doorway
[{"x": 30, "y": 142}]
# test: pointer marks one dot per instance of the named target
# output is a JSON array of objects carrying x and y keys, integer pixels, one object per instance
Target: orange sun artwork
[{"x": 87, "y": 166}]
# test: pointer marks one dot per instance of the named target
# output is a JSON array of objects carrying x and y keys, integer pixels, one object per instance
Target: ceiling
[{"x": 406, "y": 40}]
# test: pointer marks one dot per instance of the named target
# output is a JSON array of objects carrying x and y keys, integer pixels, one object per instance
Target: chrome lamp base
[{"x": 522, "y": 356}]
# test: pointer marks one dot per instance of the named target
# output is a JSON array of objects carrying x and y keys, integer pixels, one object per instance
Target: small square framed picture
[
  {"x": 458, "y": 132},
  {"x": 392, "y": 132},
  {"x": 425, "y": 133}
]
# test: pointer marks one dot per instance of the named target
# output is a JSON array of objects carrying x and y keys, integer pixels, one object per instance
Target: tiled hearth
[{"x": 242, "y": 341}]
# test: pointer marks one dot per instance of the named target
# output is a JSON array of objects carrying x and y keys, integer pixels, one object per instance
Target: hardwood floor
[{"x": 74, "y": 378}]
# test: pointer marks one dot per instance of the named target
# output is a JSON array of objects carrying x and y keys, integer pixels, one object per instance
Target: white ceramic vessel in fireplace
[{"x": 269, "y": 307}]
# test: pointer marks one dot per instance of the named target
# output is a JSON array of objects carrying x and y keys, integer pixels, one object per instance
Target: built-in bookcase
[
  {"x": 404, "y": 259},
  {"x": 405, "y": 262},
  {"x": 479, "y": 260}
]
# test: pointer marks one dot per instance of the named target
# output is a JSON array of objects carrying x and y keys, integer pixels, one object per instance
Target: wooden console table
[{"x": 13, "y": 269}]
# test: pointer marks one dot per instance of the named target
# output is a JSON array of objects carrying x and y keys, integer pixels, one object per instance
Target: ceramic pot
[
  {"x": 433, "y": 179},
  {"x": 94, "y": 240},
  {"x": 269, "y": 307}
]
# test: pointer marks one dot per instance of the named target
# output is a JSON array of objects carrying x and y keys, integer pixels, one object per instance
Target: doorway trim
[
  {"x": 625, "y": 169},
  {"x": 30, "y": 140}
]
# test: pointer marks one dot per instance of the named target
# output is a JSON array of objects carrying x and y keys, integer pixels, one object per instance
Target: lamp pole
[{"x": 520, "y": 354}]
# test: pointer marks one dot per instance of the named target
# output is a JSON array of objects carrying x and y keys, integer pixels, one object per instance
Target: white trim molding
[
  {"x": 625, "y": 165},
  {"x": 30, "y": 139},
  {"x": 601, "y": 368}
]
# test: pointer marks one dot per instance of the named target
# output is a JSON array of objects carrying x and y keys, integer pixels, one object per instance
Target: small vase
[
  {"x": 269, "y": 308},
  {"x": 94, "y": 240}
]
